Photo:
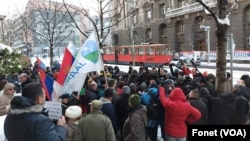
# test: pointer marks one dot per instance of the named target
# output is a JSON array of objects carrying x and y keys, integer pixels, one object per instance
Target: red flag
[{"x": 67, "y": 62}]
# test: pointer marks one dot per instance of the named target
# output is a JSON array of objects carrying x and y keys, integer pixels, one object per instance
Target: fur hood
[{"x": 20, "y": 105}]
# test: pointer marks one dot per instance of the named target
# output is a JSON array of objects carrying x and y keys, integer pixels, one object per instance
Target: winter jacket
[
  {"x": 178, "y": 111},
  {"x": 134, "y": 126},
  {"x": 202, "y": 107},
  {"x": 26, "y": 122},
  {"x": 4, "y": 103},
  {"x": 222, "y": 109},
  {"x": 121, "y": 109},
  {"x": 109, "y": 110},
  {"x": 95, "y": 127},
  {"x": 71, "y": 128}
]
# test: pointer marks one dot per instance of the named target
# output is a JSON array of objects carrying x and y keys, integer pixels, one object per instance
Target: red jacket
[{"x": 178, "y": 111}]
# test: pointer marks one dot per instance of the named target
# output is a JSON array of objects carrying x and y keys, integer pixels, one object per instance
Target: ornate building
[{"x": 178, "y": 23}]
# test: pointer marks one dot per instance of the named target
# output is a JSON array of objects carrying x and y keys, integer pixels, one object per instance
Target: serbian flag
[
  {"x": 40, "y": 64},
  {"x": 68, "y": 59},
  {"x": 88, "y": 59},
  {"x": 51, "y": 87}
]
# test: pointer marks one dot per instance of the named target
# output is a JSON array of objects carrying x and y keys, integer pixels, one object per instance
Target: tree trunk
[{"x": 221, "y": 61}]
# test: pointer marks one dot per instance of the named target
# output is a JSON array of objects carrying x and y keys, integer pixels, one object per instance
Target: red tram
[{"x": 157, "y": 54}]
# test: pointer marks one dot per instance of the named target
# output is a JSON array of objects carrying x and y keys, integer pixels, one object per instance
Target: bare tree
[
  {"x": 222, "y": 22},
  {"x": 106, "y": 17},
  {"x": 49, "y": 24}
]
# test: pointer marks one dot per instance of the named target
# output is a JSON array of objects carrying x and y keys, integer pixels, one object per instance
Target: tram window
[
  {"x": 141, "y": 51},
  {"x": 157, "y": 51},
  {"x": 166, "y": 51},
  {"x": 150, "y": 51},
  {"x": 125, "y": 50}
]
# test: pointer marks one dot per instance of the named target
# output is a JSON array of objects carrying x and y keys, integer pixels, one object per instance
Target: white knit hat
[{"x": 73, "y": 112}]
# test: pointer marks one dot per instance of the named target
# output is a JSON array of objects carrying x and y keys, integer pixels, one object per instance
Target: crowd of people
[{"x": 125, "y": 106}]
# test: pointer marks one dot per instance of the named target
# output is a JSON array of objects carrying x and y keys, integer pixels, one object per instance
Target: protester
[
  {"x": 121, "y": 109},
  {"x": 178, "y": 112},
  {"x": 196, "y": 102},
  {"x": 222, "y": 109},
  {"x": 134, "y": 126},
  {"x": 8, "y": 93},
  {"x": 25, "y": 79},
  {"x": 2, "y": 83},
  {"x": 95, "y": 126},
  {"x": 90, "y": 95},
  {"x": 108, "y": 108},
  {"x": 26, "y": 121},
  {"x": 73, "y": 114}
]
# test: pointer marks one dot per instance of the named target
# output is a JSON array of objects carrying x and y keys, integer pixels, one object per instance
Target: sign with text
[{"x": 55, "y": 109}]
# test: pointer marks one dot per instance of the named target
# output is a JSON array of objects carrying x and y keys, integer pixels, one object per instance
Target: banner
[{"x": 88, "y": 59}]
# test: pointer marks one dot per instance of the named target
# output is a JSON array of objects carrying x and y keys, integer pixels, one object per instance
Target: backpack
[{"x": 150, "y": 99}]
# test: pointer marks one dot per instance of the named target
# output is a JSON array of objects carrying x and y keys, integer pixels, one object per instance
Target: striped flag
[{"x": 51, "y": 87}]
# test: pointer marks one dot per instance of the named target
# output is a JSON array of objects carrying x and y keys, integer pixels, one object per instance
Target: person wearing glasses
[{"x": 8, "y": 93}]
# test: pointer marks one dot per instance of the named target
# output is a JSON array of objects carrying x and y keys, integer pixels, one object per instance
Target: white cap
[{"x": 73, "y": 111}]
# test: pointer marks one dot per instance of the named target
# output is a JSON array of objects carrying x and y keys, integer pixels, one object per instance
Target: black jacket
[
  {"x": 222, "y": 109},
  {"x": 202, "y": 107},
  {"x": 26, "y": 122}
]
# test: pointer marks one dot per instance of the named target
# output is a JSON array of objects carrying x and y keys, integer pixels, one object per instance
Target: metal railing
[{"x": 188, "y": 9}]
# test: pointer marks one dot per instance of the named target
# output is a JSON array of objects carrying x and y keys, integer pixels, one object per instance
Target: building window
[
  {"x": 248, "y": 41},
  {"x": 149, "y": 15},
  {"x": 134, "y": 19},
  {"x": 180, "y": 27},
  {"x": 200, "y": 21},
  {"x": 135, "y": 37},
  {"x": 181, "y": 3},
  {"x": 165, "y": 30},
  {"x": 248, "y": 15},
  {"x": 162, "y": 10}
]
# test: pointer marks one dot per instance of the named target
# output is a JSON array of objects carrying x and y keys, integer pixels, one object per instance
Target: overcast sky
[{"x": 10, "y": 7}]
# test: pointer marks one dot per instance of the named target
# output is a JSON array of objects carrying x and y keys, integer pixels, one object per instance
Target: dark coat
[
  {"x": 134, "y": 126},
  {"x": 244, "y": 91},
  {"x": 241, "y": 105},
  {"x": 109, "y": 110},
  {"x": 222, "y": 109},
  {"x": 121, "y": 109},
  {"x": 26, "y": 122},
  {"x": 89, "y": 97},
  {"x": 26, "y": 82},
  {"x": 202, "y": 107}
]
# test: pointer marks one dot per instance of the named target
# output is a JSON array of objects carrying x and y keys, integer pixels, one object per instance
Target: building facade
[
  {"x": 46, "y": 24},
  {"x": 178, "y": 23}
]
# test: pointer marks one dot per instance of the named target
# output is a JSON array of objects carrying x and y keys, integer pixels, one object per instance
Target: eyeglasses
[{"x": 12, "y": 89}]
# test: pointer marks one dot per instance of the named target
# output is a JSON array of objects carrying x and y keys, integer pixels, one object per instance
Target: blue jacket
[
  {"x": 109, "y": 110},
  {"x": 26, "y": 122}
]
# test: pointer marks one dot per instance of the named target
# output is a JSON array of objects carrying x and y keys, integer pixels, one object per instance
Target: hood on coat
[
  {"x": 177, "y": 94},
  {"x": 21, "y": 104},
  {"x": 228, "y": 96}
]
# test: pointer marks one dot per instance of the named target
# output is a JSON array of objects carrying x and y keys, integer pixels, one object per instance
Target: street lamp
[
  {"x": 207, "y": 28},
  {"x": 1, "y": 19}
]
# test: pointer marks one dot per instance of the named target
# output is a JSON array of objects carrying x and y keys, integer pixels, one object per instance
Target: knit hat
[
  {"x": 144, "y": 85},
  {"x": 135, "y": 100},
  {"x": 73, "y": 112},
  {"x": 96, "y": 104},
  {"x": 125, "y": 90}
]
